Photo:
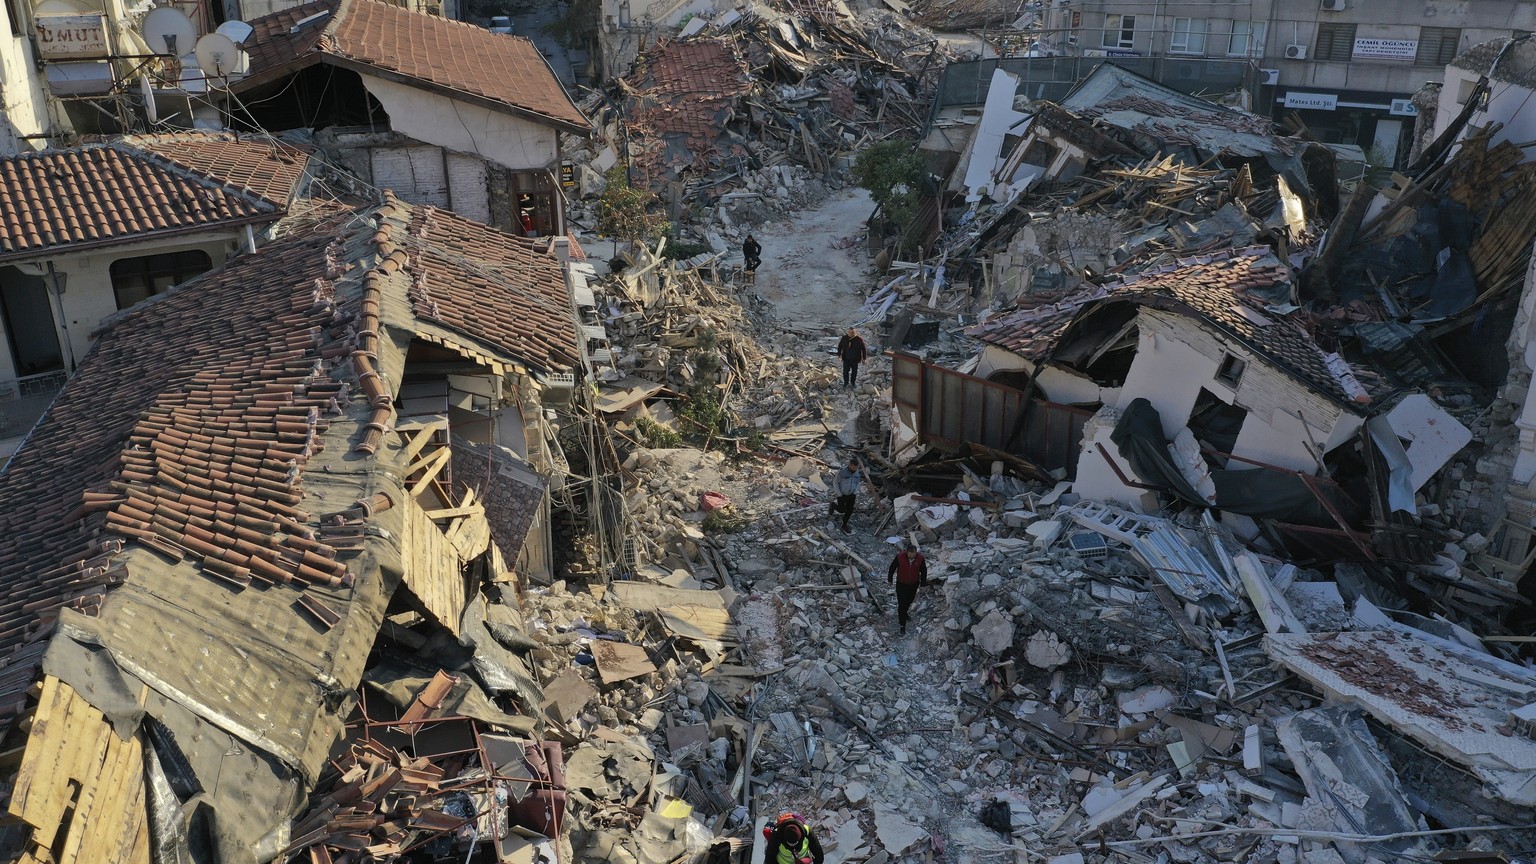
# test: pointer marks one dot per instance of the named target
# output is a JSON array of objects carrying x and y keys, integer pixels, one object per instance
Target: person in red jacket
[{"x": 909, "y": 569}]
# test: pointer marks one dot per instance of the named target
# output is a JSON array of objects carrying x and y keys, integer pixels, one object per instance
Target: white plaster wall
[
  {"x": 996, "y": 119},
  {"x": 1069, "y": 388},
  {"x": 994, "y": 359},
  {"x": 1509, "y": 104},
  {"x": 88, "y": 296},
  {"x": 512, "y": 142},
  {"x": 1176, "y": 359},
  {"x": 22, "y": 101}
]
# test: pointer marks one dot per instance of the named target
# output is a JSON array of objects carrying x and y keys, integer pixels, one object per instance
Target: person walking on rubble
[
  {"x": 790, "y": 841},
  {"x": 909, "y": 570},
  {"x": 853, "y": 351},
  {"x": 751, "y": 253},
  {"x": 845, "y": 486}
]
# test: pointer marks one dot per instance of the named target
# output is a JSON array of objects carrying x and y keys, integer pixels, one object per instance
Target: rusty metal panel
[
  {"x": 955, "y": 409},
  {"x": 906, "y": 380}
]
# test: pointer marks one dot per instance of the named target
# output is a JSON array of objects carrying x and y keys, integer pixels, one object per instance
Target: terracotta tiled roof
[
  {"x": 1215, "y": 287},
  {"x": 683, "y": 94},
  {"x": 264, "y": 167},
  {"x": 445, "y": 55},
  {"x": 458, "y": 266},
  {"x": 188, "y": 429},
  {"x": 100, "y": 195}
]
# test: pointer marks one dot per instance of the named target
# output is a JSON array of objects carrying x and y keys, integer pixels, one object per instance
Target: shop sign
[
  {"x": 71, "y": 37},
  {"x": 1386, "y": 49},
  {"x": 1312, "y": 101}
]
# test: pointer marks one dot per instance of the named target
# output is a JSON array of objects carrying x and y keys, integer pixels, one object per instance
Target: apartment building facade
[{"x": 1347, "y": 68}]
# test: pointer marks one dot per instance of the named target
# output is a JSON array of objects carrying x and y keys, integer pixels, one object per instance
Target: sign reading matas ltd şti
[
  {"x": 1314, "y": 101},
  {"x": 71, "y": 37}
]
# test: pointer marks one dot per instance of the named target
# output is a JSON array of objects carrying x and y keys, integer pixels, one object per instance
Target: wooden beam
[{"x": 438, "y": 461}]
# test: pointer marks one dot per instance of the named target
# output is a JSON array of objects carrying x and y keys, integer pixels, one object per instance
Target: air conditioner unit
[
  {"x": 1332, "y": 5},
  {"x": 1295, "y": 52},
  {"x": 1271, "y": 77}
]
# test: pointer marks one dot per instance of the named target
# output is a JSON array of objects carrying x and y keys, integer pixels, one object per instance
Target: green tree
[
  {"x": 625, "y": 212},
  {"x": 895, "y": 176}
]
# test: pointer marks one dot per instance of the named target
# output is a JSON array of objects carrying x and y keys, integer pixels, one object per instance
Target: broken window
[
  {"x": 1437, "y": 45},
  {"x": 1335, "y": 42},
  {"x": 1248, "y": 38},
  {"x": 1215, "y": 423},
  {"x": 1231, "y": 370},
  {"x": 1041, "y": 152},
  {"x": 1119, "y": 31},
  {"x": 1188, "y": 36},
  {"x": 138, "y": 279}
]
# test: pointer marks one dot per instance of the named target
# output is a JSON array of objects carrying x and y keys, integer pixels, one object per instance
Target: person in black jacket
[
  {"x": 853, "y": 351},
  {"x": 752, "y": 253},
  {"x": 790, "y": 841}
]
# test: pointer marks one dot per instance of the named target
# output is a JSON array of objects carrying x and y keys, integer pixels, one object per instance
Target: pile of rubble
[{"x": 1096, "y": 685}]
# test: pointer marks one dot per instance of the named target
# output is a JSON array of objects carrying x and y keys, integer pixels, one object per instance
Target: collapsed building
[{"x": 234, "y": 535}]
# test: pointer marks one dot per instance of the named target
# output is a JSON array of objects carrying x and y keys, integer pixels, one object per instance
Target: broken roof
[
  {"x": 1501, "y": 59},
  {"x": 1133, "y": 102},
  {"x": 209, "y": 501},
  {"x": 462, "y": 61},
  {"x": 683, "y": 93},
  {"x": 142, "y": 187},
  {"x": 1219, "y": 288}
]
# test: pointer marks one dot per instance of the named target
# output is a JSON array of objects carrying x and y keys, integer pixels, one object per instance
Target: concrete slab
[{"x": 1449, "y": 700}]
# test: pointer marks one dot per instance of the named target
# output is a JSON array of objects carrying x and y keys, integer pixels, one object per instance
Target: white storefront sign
[
  {"x": 1312, "y": 101},
  {"x": 1386, "y": 49},
  {"x": 71, "y": 37}
]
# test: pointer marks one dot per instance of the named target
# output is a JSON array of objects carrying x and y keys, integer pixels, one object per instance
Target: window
[
  {"x": 1119, "y": 31},
  {"x": 1231, "y": 370},
  {"x": 1437, "y": 45},
  {"x": 1334, "y": 42},
  {"x": 1248, "y": 38},
  {"x": 1041, "y": 153},
  {"x": 1188, "y": 36},
  {"x": 137, "y": 279}
]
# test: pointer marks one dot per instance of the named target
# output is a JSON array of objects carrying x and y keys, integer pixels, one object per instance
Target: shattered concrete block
[
  {"x": 855, "y": 793},
  {"x": 1046, "y": 651},
  {"x": 897, "y": 834},
  {"x": 1147, "y": 700},
  {"x": 994, "y": 633}
]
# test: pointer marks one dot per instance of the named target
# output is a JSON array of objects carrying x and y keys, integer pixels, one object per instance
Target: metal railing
[{"x": 23, "y": 400}]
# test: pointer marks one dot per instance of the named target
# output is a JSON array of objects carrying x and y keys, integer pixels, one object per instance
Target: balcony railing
[{"x": 23, "y": 400}]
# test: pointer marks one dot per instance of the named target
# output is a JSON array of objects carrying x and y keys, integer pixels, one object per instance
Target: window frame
[
  {"x": 1230, "y": 371},
  {"x": 1328, "y": 33},
  {"x": 1253, "y": 40},
  {"x": 1189, "y": 35},
  {"x": 180, "y": 266},
  {"x": 1442, "y": 56},
  {"x": 1123, "y": 42}
]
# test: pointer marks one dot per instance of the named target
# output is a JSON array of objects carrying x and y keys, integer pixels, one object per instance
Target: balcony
[{"x": 23, "y": 400}]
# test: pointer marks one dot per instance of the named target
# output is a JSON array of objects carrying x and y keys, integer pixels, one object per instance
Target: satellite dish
[
  {"x": 169, "y": 31},
  {"x": 220, "y": 57},
  {"x": 237, "y": 31},
  {"x": 148, "y": 90}
]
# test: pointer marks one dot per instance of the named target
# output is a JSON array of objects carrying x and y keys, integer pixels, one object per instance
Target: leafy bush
[
  {"x": 624, "y": 212},
  {"x": 656, "y": 436},
  {"x": 895, "y": 175},
  {"x": 726, "y": 521}
]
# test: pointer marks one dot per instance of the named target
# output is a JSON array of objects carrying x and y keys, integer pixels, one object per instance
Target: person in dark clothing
[
  {"x": 853, "y": 351},
  {"x": 752, "y": 252},
  {"x": 845, "y": 486},
  {"x": 790, "y": 841},
  {"x": 909, "y": 570}
]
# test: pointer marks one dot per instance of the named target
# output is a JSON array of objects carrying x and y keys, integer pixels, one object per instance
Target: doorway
[{"x": 29, "y": 324}]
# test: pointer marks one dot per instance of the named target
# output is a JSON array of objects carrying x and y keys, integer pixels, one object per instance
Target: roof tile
[
  {"x": 433, "y": 50},
  {"x": 101, "y": 194}
]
